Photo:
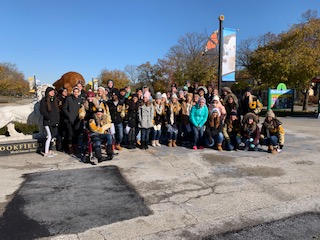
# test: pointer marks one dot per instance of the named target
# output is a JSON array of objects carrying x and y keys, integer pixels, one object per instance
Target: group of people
[{"x": 194, "y": 116}]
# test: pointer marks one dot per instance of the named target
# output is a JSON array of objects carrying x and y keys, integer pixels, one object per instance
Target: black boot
[
  {"x": 133, "y": 144},
  {"x": 109, "y": 153},
  {"x": 129, "y": 144},
  {"x": 99, "y": 155},
  {"x": 146, "y": 145},
  {"x": 142, "y": 145}
]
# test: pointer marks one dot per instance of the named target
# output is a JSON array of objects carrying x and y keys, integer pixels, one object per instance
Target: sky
[{"x": 48, "y": 38}]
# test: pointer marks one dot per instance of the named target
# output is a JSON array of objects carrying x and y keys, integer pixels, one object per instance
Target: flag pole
[{"x": 221, "y": 18}]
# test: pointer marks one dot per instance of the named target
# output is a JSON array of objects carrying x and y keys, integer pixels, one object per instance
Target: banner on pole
[
  {"x": 229, "y": 55},
  {"x": 212, "y": 41},
  {"x": 31, "y": 84}
]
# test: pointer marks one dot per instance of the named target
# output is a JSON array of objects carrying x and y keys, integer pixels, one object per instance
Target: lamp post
[{"x": 221, "y": 19}]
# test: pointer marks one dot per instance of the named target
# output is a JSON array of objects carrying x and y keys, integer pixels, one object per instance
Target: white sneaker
[
  {"x": 48, "y": 155},
  {"x": 153, "y": 143},
  {"x": 158, "y": 144},
  {"x": 53, "y": 154}
]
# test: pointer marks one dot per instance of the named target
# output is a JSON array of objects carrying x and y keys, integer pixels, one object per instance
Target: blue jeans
[
  {"x": 145, "y": 132},
  {"x": 249, "y": 143},
  {"x": 172, "y": 132},
  {"x": 233, "y": 143},
  {"x": 119, "y": 132},
  {"x": 98, "y": 138},
  {"x": 197, "y": 135},
  {"x": 273, "y": 140},
  {"x": 218, "y": 138},
  {"x": 156, "y": 134}
]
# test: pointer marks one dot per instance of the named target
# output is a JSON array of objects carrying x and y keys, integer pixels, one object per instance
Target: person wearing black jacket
[
  {"x": 73, "y": 123},
  {"x": 214, "y": 128},
  {"x": 117, "y": 112},
  {"x": 131, "y": 120},
  {"x": 62, "y": 145},
  {"x": 50, "y": 111}
]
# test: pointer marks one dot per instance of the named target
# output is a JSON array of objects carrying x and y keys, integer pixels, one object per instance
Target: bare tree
[{"x": 132, "y": 73}]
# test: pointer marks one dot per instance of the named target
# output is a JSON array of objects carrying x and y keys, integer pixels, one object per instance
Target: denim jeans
[
  {"x": 249, "y": 143},
  {"x": 218, "y": 138},
  {"x": 273, "y": 140},
  {"x": 156, "y": 134},
  {"x": 197, "y": 135},
  {"x": 145, "y": 132},
  {"x": 119, "y": 132},
  {"x": 234, "y": 142},
  {"x": 98, "y": 138},
  {"x": 172, "y": 132}
]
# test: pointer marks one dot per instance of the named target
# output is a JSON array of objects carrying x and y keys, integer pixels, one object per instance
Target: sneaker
[
  {"x": 158, "y": 144},
  {"x": 48, "y": 155},
  {"x": 194, "y": 148},
  {"x": 200, "y": 147},
  {"x": 53, "y": 154}
]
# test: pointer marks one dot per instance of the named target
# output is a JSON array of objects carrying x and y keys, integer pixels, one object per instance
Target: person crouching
[
  {"x": 213, "y": 132},
  {"x": 232, "y": 131},
  {"x": 250, "y": 132},
  {"x": 272, "y": 133},
  {"x": 99, "y": 127}
]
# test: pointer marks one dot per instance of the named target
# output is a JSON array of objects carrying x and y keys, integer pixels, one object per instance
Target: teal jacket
[{"x": 198, "y": 116}]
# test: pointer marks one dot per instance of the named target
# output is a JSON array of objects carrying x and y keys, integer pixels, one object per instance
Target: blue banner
[{"x": 229, "y": 54}]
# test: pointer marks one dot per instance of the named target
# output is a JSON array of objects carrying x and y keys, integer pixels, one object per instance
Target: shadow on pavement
[{"x": 69, "y": 201}]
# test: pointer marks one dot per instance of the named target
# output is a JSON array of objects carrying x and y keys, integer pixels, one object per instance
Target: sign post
[{"x": 281, "y": 98}]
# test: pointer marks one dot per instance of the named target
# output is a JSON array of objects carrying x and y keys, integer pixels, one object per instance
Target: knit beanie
[
  {"x": 270, "y": 113},
  {"x": 158, "y": 95}
]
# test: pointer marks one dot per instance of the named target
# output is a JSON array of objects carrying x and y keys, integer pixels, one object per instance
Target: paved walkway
[{"x": 194, "y": 194}]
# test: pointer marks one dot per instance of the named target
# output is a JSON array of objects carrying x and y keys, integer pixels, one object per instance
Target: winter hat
[
  {"x": 100, "y": 109},
  {"x": 48, "y": 89},
  {"x": 102, "y": 88},
  {"x": 201, "y": 99},
  {"x": 174, "y": 95},
  {"x": 90, "y": 94},
  {"x": 215, "y": 110},
  {"x": 270, "y": 113},
  {"x": 181, "y": 92},
  {"x": 233, "y": 112},
  {"x": 203, "y": 88},
  {"x": 216, "y": 98},
  {"x": 158, "y": 95},
  {"x": 147, "y": 94},
  {"x": 164, "y": 95},
  {"x": 226, "y": 89}
]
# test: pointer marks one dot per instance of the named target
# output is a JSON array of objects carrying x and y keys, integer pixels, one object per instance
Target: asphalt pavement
[{"x": 179, "y": 193}]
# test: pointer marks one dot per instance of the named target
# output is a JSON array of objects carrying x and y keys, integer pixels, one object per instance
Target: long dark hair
[{"x": 50, "y": 99}]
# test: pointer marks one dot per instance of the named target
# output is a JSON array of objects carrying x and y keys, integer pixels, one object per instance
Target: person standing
[
  {"x": 62, "y": 144},
  {"x": 159, "y": 118},
  {"x": 131, "y": 120},
  {"x": 198, "y": 117},
  {"x": 146, "y": 115},
  {"x": 73, "y": 123},
  {"x": 50, "y": 110},
  {"x": 117, "y": 111},
  {"x": 173, "y": 115},
  {"x": 250, "y": 103}
]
